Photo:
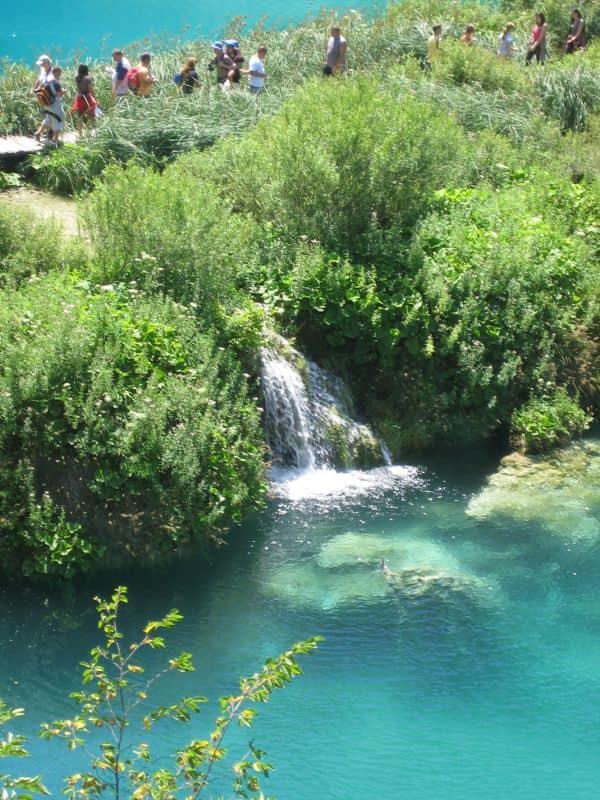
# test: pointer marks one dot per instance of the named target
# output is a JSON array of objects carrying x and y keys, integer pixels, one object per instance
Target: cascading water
[
  {"x": 308, "y": 418},
  {"x": 287, "y": 413}
]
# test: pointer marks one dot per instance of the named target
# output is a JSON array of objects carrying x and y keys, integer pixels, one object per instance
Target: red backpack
[
  {"x": 45, "y": 96},
  {"x": 133, "y": 79}
]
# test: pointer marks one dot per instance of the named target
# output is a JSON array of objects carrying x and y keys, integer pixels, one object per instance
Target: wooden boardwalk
[{"x": 14, "y": 149}]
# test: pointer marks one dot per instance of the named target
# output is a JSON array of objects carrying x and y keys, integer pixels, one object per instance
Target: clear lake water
[{"x": 476, "y": 677}]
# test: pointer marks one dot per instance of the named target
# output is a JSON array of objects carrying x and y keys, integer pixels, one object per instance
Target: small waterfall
[
  {"x": 308, "y": 415},
  {"x": 287, "y": 412}
]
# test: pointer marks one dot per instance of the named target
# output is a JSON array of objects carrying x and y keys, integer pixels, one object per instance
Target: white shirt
[
  {"x": 505, "y": 45},
  {"x": 256, "y": 65},
  {"x": 334, "y": 52},
  {"x": 44, "y": 77},
  {"x": 121, "y": 87}
]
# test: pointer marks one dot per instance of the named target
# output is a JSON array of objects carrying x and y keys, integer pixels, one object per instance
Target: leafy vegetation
[
  {"x": 12, "y": 746},
  {"x": 430, "y": 232},
  {"x": 115, "y": 701},
  {"x": 122, "y": 427},
  {"x": 547, "y": 421}
]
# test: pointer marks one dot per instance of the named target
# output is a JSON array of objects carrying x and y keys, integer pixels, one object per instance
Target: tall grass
[
  {"x": 570, "y": 95},
  {"x": 471, "y": 83}
]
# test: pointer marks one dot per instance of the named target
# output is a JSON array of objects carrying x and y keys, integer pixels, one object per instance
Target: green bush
[
  {"x": 504, "y": 279},
  {"x": 69, "y": 170},
  {"x": 569, "y": 95},
  {"x": 18, "y": 107},
  {"x": 547, "y": 421},
  {"x": 121, "y": 427},
  {"x": 341, "y": 163},
  {"x": 169, "y": 234},
  {"x": 462, "y": 64},
  {"x": 27, "y": 246},
  {"x": 496, "y": 294}
]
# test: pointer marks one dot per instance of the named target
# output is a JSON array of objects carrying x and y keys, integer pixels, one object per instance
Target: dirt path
[{"x": 45, "y": 206}]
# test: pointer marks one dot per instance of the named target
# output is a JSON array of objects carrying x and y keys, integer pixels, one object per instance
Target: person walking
[
  {"x": 576, "y": 35},
  {"x": 44, "y": 63},
  {"x": 468, "y": 36},
  {"x": 433, "y": 43},
  {"x": 506, "y": 42},
  {"x": 85, "y": 103},
  {"x": 141, "y": 80},
  {"x": 234, "y": 54},
  {"x": 54, "y": 119},
  {"x": 188, "y": 77},
  {"x": 335, "y": 54},
  {"x": 120, "y": 82},
  {"x": 256, "y": 70},
  {"x": 220, "y": 63},
  {"x": 536, "y": 46}
]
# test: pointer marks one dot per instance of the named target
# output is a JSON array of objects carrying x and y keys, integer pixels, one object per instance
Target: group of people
[
  {"x": 537, "y": 45},
  {"x": 50, "y": 93},
  {"x": 227, "y": 63}
]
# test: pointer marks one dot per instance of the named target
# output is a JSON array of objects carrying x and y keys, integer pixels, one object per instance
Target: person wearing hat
[
  {"x": 234, "y": 54},
  {"x": 44, "y": 62},
  {"x": 219, "y": 62}
]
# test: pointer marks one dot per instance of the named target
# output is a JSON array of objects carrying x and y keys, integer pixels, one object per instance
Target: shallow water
[
  {"x": 93, "y": 29},
  {"x": 482, "y": 681}
]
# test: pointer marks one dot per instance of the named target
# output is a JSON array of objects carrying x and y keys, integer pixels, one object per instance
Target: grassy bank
[{"x": 431, "y": 234}]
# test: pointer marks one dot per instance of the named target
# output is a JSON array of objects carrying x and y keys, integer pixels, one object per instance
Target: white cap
[{"x": 42, "y": 59}]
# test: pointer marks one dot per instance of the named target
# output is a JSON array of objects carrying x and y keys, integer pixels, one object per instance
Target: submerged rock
[
  {"x": 415, "y": 583},
  {"x": 560, "y": 490},
  {"x": 398, "y": 551},
  {"x": 355, "y": 567},
  {"x": 306, "y": 585}
]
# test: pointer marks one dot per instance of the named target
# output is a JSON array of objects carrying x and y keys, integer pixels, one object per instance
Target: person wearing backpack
[
  {"x": 54, "y": 119},
  {"x": 122, "y": 67},
  {"x": 44, "y": 62},
  {"x": 141, "y": 80}
]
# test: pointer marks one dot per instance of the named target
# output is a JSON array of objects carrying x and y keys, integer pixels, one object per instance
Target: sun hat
[
  {"x": 42, "y": 59},
  {"x": 231, "y": 43},
  {"x": 217, "y": 45}
]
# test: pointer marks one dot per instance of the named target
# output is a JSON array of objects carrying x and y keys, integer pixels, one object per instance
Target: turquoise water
[
  {"x": 485, "y": 685},
  {"x": 93, "y": 29}
]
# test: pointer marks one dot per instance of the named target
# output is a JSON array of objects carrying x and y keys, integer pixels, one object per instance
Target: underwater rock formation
[
  {"x": 354, "y": 567},
  {"x": 560, "y": 490}
]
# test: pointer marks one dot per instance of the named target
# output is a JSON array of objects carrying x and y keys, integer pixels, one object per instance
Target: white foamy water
[{"x": 318, "y": 484}]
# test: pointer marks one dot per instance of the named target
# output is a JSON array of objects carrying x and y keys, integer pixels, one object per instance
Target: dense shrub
[
  {"x": 27, "y": 246},
  {"x": 72, "y": 169},
  {"x": 120, "y": 427},
  {"x": 169, "y": 234},
  {"x": 570, "y": 95},
  {"x": 547, "y": 421},
  {"x": 459, "y": 64},
  {"x": 339, "y": 164},
  {"x": 492, "y": 298},
  {"x": 18, "y": 108}
]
